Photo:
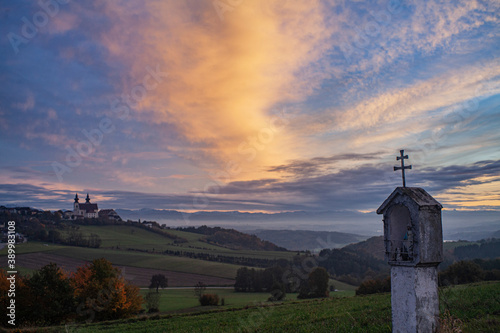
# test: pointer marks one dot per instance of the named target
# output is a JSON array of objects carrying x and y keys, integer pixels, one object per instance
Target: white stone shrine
[{"x": 413, "y": 240}]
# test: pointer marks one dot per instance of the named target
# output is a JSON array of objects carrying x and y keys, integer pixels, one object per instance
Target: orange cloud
[
  {"x": 224, "y": 76},
  {"x": 479, "y": 196}
]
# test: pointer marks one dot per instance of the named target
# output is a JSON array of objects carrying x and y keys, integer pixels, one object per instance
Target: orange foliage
[
  {"x": 23, "y": 297},
  {"x": 103, "y": 292}
]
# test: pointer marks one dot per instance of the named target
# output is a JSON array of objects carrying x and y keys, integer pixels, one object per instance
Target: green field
[
  {"x": 147, "y": 260},
  {"x": 31, "y": 247},
  {"x": 467, "y": 308},
  {"x": 125, "y": 237},
  {"x": 181, "y": 299}
]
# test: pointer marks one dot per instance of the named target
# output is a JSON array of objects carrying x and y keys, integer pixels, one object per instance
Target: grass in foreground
[{"x": 469, "y": 308}]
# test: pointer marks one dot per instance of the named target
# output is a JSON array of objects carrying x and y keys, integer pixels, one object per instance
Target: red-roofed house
[{"x": 109, "y": 214}]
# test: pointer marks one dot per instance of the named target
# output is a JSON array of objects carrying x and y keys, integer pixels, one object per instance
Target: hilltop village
[
  {"x": 61, "y": 226},
  {"x": 80, "y": 211}
]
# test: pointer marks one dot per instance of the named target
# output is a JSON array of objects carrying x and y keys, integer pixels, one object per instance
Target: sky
[{"x": 255, "y": 106}]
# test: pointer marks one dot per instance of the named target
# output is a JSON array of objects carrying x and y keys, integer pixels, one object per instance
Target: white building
[{"x": 87, "y": 209}]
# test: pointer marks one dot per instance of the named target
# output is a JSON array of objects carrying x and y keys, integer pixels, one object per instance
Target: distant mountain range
[
  {"x": 221, "y": 215},
  {"x": 340, "y": 221},
  {"x": 465, "y": 225}
]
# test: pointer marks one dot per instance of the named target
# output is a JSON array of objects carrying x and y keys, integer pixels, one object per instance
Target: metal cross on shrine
[{"x": 403, "y": 157}]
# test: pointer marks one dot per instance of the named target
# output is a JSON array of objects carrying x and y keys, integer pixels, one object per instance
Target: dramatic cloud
[
  {"x": 318, "y": 165},
  {"x": 249, "y": 105},
  {"x": 221, "y": 73}
]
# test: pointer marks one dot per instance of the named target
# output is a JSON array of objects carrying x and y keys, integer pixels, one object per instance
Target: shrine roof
[{"x": 417, "y": 194}]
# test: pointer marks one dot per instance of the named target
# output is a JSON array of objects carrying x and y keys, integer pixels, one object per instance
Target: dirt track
[{"x": 138, "y": 276}]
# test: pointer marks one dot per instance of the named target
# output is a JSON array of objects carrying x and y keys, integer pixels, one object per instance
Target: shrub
[
  {"x": 374, "y": 286},
  {"x": 461, "y": 272},
  {"x": 277, "y": 292},
  {"x": 209, "y": 299},
  {"x": 152, "y": 302},
  {"x": 316, "y": 285}
]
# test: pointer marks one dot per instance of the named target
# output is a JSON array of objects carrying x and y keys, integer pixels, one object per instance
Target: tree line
[
  {"x": 484, "y": 250},
  {"x": 352, "y": 268},
  {"x": 469, "y": 271},
  {"x": 281, "y": 279},
  {"x": 232, "y": 239},
  {"x": 460, "y": 272}
]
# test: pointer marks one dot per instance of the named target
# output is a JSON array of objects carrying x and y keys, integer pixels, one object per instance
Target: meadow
[
  {"x": 130, "y": 237},
  {"x": 184, "y": 299},
  {"x": 465, "y": 308}
]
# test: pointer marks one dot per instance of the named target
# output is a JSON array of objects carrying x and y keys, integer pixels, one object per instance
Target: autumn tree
[
  {"x": 52, "y": 293},
  {"x": 102, "y": 293},
  {"x": 4, "y": 291},
  {"x": 23, "y": 300},
  {"x": 158, "y": 281}
]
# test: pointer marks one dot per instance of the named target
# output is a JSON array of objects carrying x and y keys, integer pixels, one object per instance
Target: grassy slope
[
  {"x": 31, "y": 247},
  {"x": 125, "y": 237},
  {"x": 137, "y": 238},
  {"x": 156, "y": 261},
  {"x": 128, "y": 258},
  {"x": 472, "y": 308}
]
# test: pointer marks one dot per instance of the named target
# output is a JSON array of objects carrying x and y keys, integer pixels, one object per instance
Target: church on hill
[{"x": 87, "y": 209}]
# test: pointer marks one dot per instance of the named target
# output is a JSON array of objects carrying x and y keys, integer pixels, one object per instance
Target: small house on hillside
[{"x": 110, "y": 214}]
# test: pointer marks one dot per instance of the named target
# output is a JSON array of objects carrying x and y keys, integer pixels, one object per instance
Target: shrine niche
[{"x": 412, "y": 227}]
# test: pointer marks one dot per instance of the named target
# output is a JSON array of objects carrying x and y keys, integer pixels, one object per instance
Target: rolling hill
[{"x": 298, "y": 240}]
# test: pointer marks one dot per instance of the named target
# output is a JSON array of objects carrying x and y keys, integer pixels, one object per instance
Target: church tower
[
  {"x": 85, "y": 210},
  {"x": 76, "y": 206}
]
